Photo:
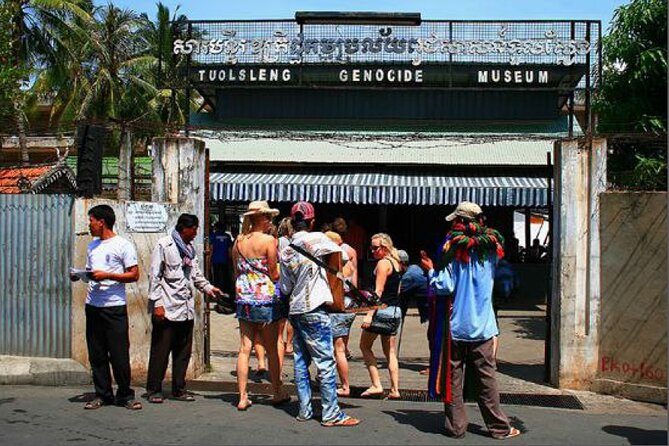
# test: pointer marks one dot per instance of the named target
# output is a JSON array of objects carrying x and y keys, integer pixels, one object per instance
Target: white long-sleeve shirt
[
  {"x": 303, "y": 280},
  {"x": 168, "y": 285}
]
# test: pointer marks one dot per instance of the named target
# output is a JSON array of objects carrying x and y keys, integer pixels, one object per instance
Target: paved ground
[
  {"x": 520, "y": 361},
  {"x": 33, "y": 415}
]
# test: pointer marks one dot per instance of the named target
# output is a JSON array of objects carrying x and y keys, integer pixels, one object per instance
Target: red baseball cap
[{"x": 305, "y": 208}]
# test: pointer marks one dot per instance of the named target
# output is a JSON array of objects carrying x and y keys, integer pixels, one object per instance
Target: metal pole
[
  {"x": 547, "y": 340},
  {"x": 207, "y": 311},
  {"x": 588, "y": 112},
  {"x": 188, "y": 89}
]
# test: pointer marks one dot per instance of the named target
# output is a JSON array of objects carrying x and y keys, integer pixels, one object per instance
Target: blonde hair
[
  {"x": 285, "y": 228},
  {"x": 250, "y": 220},
  {"x": 334, "y": 237},
  {"x": 387, "y": 243}
]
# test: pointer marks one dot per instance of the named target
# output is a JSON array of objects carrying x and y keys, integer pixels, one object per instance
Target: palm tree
[
  {"x": 37, "y": 27},
  {"x": 168, "y": 102}
]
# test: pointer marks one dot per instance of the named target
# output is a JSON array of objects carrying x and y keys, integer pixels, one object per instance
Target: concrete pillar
[
  {"x": 580, "y": 176},
  {"x": 125, "y": 167},
  {"x": 178, "y": 170}
]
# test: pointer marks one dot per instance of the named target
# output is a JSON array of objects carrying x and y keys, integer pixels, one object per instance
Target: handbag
[{"x": 384, "y": 325}]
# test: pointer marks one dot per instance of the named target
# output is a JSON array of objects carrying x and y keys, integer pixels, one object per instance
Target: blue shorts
[
  {"x": 263, "y": 314},
  {"x": 341, "y": 324}
]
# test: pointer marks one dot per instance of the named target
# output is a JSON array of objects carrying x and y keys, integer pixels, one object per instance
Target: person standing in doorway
[
  {"x": 259, "y": 309},
  {"x": 112, "y": 262},
  {"x": 341, "y": 322},
  {"x": 467, "y": 271},
  {"x": 306, "y": 285},
  {"x": 387, "y": 285},
  {"x": 175, "y": 273},
  {"x": 221, "y": 244}
]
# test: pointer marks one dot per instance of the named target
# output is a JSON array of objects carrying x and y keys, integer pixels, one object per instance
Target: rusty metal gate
[{"x": 35, "y": 295}]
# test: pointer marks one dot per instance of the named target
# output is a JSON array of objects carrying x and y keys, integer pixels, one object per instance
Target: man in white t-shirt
[
  {"x": 306, "y": 285},
  {"x": 111, "y": 262}
]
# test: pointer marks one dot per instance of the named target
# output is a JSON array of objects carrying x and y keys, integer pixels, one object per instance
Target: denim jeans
[{"x": 312, "y": 340}]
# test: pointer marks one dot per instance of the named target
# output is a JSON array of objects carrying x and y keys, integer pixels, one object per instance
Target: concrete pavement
[{"x": 34, "y": 415}]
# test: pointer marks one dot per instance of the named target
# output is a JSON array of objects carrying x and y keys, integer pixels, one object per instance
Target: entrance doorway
[{"x": 521, "y": 318}]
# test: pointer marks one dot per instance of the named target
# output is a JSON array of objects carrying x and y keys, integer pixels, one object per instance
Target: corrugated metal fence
[{"x": 35, "y": 293}]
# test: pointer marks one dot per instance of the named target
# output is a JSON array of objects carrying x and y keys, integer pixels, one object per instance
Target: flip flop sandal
[
  {"x": 94, "y": 404},
  {"x": 367, "y": 394},
  {"x": 156, "y": 399},
  {"x": 344, "y": 422},
  {"x": 133, "y": 405},
  {"x": 393, "y": 398},
  {"x": 244, "y": 408},
  {"x": 343, "y": 394},
  {"x": 186, "y": 396},
  {"x": 513, "y": 432}
]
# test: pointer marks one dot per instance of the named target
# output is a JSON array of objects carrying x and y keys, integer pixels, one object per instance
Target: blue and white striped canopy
[{"x": 410, "y": 188}]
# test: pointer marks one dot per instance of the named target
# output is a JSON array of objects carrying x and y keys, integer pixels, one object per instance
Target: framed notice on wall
[{"x": 146, "y": 217}]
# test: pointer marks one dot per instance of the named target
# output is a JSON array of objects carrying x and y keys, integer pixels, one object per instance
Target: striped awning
[{"x": 410, "y": 188}]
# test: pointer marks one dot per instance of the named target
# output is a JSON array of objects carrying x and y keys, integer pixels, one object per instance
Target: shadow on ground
[
  {"x": 527, "y": 372},
  {"x": 637, "y": 436}
]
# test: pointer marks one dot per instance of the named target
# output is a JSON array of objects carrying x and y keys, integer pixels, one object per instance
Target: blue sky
[{"x": 430, "y": 9}]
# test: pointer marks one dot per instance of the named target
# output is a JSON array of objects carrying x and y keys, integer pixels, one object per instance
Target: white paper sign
[{"x": 145, "y": 217}]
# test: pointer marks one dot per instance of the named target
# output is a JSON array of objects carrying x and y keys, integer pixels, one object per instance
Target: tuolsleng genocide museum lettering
[
  {"x": 487, "y": 76},
  {"x": 506, "y": 56}
]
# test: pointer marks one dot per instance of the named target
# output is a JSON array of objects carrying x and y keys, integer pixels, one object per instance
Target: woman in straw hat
[{"x": 254, "y": 256}]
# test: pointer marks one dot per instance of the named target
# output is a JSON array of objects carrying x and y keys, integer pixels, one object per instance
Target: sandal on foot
[
  {"x": 393, "y": 397},
  {"x": 343, "y": 393},
  {"x": 94, "y": 404},
  {"x": 345, "y": 422},
  {"x": 368, "y": 394},
  {"x": 244, "y": 407},
  {"x": 132, "y": 405},
  {"x": 513, "y": 432},
  {"x": 156, "y": 398},
  {"x": 184, "y": 396}
]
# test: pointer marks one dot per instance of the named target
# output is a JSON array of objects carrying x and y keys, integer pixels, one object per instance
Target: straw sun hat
[{"x": 260, "y": 207}]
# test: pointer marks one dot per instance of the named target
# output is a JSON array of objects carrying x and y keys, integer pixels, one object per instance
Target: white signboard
[{"x": 146, "y": 217}]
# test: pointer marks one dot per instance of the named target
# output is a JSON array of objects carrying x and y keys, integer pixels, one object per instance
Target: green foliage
[
  {"x": 12, "y": 74},
  {"x": 651, "y": 172},
  {"x": 633, "y": 94}
]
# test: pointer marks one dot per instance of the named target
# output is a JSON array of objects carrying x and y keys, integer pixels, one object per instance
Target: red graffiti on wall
[{"x": 611, "y": 365}]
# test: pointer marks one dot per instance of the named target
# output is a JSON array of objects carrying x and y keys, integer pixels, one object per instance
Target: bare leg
[
  {"x": 348, "y": 352},
  {"x": 260, "y": 352},
  {"x": 389, "y": 344},
  {"x": 366, "y": 342},
  {"x": 289, "y": 338},
  {"x": 280, "y": 345},
  {"x": 342, "y": 366},
  {"x": 269, "y": 336},
  {"x": 246, "y": 334}
]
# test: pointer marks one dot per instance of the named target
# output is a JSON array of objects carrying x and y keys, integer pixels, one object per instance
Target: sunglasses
[{"x": 374, "y": 248}]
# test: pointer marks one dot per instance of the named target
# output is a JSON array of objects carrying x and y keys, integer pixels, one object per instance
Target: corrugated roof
[
  {"x": 34, "y": 178},
  {"x": 372, "y": 149}
]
